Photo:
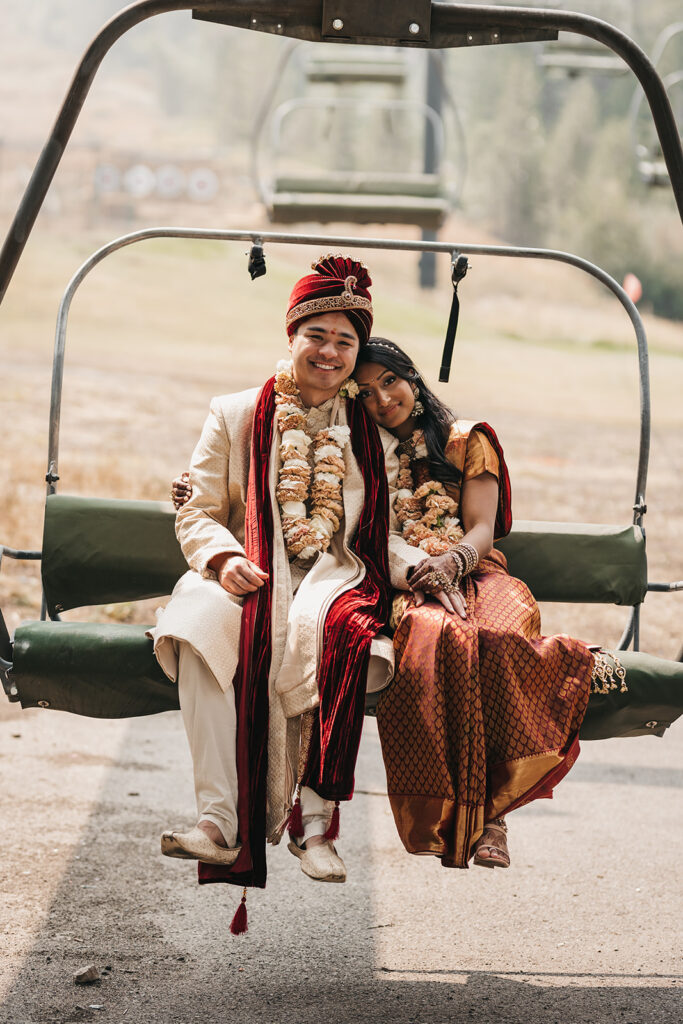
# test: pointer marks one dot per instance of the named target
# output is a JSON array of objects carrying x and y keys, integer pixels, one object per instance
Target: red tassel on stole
[
  {"x": 333, "y": 827},
  {"x": 295, "y": 824},
  {"x": 239, "y": 922}
]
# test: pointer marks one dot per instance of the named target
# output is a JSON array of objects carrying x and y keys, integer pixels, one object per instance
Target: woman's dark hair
[{"x": 435, "y": 421}]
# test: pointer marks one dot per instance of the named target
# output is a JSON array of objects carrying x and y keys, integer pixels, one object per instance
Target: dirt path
[{"x": 582, "y": 928}]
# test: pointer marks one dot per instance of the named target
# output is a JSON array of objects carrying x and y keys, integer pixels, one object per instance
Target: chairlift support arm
[{"x": 440, "y": 26}]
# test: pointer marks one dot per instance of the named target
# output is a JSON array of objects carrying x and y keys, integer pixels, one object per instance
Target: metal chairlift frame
[{"x": 257, "y": 237}]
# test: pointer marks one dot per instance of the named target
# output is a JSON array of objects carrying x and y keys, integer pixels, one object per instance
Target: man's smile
[{"x": 325, "y": 366}]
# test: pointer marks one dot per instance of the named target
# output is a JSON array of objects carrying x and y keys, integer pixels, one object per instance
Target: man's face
[{"x": 324, "y": 351}]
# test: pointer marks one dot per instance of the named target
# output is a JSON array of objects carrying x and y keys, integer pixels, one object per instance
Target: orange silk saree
[{"x": 483, "y": 713}]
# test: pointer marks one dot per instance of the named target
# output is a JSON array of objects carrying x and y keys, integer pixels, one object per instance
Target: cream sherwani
[{"x": 203, "y": 618}]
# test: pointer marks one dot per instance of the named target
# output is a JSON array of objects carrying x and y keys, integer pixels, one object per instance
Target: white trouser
[{"x": 211, "y": 725}]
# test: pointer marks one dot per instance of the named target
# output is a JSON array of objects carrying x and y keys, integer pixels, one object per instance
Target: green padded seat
[
  {"x": 326, "y": 208},
  {"x": 101, "y": 670},
  {"x": 653, "y": 701},
  {"x": 109, "y": 671}
]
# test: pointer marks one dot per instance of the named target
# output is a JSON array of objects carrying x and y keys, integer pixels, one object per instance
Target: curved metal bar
[
  {"x": 451, "y": 25},
  {"x": 661, "y": 43},
  {"x": 262, "y": 118},
  {"x": 354, "y": 243},
  {"x": 627, "y": 635},
  {"x": 460, "y": 138},
  {"x": 19, "y": 555}
]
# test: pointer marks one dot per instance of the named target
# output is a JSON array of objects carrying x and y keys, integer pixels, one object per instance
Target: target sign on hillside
[{"x": 202, "y": 185}]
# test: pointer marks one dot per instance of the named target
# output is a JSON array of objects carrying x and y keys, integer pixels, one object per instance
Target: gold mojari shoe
[
  {"x": 196, "y": 845},
  {"x": 321, "y": 862}
]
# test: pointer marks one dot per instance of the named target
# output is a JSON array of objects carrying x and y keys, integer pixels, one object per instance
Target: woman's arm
[{"x": 478, "y": 508}]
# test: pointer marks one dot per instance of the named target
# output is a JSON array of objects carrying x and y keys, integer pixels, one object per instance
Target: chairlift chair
[
  {"x": 107, "y": 669},
  {"x": 650, "y": 162},
  {"x": 104, "y": 551},
  {"x": 357, "y": 195}
]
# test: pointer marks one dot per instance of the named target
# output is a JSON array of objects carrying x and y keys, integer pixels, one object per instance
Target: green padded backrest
[
  {"x": 578, "y": 562},
  {"x": 103, "y": 551}
]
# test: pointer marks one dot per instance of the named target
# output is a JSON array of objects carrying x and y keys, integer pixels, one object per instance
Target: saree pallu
[{"x": 483, "y": 713}]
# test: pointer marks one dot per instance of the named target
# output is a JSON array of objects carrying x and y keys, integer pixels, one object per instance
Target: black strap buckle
[{"x": 257, "y": 261}]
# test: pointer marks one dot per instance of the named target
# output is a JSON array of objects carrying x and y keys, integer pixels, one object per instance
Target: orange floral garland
[
  {"x": 306, "y": 534},
  {"x": 427, "y": 514}
]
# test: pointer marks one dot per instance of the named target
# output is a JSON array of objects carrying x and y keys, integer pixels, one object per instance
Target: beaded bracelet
[{"x": 466, "y": 558}]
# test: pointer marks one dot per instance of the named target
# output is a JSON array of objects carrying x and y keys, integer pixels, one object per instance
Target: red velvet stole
[
  {"x": 504, "y": 512},
  {"x": 351, "y": 624},
  {"x": 352, "y": 621}
]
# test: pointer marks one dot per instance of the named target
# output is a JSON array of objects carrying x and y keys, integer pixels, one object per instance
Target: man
[{"x": 273, "y": 634}]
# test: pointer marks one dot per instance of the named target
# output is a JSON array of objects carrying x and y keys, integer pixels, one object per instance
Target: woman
[{"x": 483, "y": 713}]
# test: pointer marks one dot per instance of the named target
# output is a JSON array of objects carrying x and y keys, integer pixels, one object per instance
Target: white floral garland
[
  {"x": 427, "y": 514},
  {"x": 306, "y": 534}
]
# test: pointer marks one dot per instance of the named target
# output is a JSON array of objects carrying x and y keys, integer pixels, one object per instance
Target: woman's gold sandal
[{"x": 494, "y": 840}]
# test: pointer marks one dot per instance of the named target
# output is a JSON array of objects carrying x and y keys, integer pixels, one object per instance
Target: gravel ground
[{"x": 584, "y": 927}]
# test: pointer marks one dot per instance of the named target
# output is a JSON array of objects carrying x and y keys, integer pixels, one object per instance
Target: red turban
[{"x": 339, "y": 285}]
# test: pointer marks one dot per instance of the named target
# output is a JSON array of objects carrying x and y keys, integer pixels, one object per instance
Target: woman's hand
[
  {"x": 445, "y": 564},
  {"x": 446, "y": 568},
  {"x": 237, "y": 574},
  {"x": 181, "y": 490},
  {"x": 453, "y": 601}
]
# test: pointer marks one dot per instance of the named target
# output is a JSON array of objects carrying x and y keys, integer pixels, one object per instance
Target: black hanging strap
[{"x": 459, "y": 267}]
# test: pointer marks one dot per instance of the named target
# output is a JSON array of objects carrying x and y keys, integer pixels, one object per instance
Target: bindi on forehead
[{"x": 372, "y": 380}]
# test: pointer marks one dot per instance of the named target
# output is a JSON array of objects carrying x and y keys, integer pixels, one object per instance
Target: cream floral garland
[
  {"x": 427, "y": 514},
  {"x": 306, "y": 534}
]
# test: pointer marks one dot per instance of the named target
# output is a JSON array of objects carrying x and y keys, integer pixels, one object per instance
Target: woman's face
[{"x": 388, "y": 398}]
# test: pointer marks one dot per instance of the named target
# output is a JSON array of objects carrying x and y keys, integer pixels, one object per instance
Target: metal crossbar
[{"x": 258, "y": 237}]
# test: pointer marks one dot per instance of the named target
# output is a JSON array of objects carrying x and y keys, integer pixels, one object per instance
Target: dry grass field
[{"x": 543, "y": 353}]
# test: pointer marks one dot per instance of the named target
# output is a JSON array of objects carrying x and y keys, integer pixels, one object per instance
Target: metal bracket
[
  {"x": 6, "y": 662},
  {"x": 395, "y": 22}
]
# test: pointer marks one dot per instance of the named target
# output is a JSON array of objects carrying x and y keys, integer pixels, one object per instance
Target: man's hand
[
  {"x": 237, "y": 574},
  {"x": 181, "y": 490}
]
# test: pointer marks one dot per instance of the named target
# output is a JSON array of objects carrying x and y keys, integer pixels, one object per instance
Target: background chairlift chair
[
  {"x": 577, "y": 55},
  {"x": 356, "y": 196},
  {"x": 652, "y": 168},
  {"x": 378, "y": 170},
  {"x": 101, "y": 551}
]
